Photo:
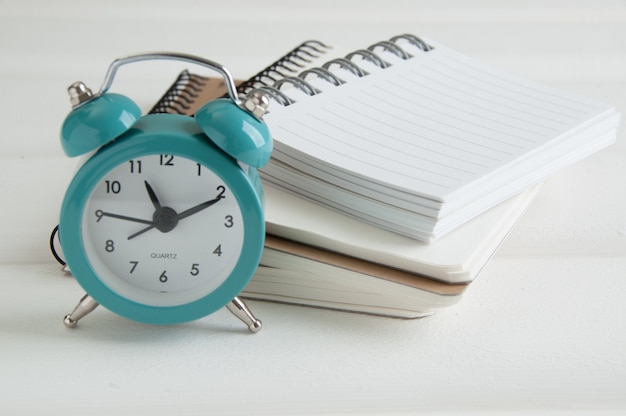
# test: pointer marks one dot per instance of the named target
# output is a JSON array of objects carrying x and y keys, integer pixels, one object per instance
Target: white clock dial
[{"x": 162, "y": 230}]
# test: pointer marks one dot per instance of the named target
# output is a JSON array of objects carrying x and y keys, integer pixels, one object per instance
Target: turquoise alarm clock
[{"x": 163, "y": 221}]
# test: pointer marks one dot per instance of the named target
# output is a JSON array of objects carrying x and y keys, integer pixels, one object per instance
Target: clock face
[{"x": 162, "y": 230}]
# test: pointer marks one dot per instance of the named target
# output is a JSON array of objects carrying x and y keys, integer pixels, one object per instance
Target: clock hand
[
  {"x": 152, "y": 195},
  {"x": 197, "y": 208},
  {"x": 100, "y": 214},
  {"x": 130, "y": 237},
  {"x": 157, "y": 205}
]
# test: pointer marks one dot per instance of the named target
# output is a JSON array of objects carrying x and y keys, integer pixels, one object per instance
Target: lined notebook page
[{"x": 429, "y": 125}]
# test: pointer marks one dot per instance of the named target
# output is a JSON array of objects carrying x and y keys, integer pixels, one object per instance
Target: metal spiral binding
[
  {"x": 274, "y": 77},
  {"x": 413, "y": 40},
  {"x": 291, "y": 69},
  {"x": 369, "y": 56},
  {"x": 181, "y": 95},
  {"x": 347, "y": 65},
  {"x": 297, "y": 82},
  {"x": 391, "y": 47},
  {"x": 289, "y": 65},
  {"x": 323, "y": 73}
]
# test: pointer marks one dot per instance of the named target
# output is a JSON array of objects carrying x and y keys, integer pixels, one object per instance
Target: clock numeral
[
  {"x": 109, "y": 246},
  {"x": 166, "y": 160},
  {"x": 221, "y": 190},
  {"x": 134, "y": 266},
  {"x": 135, "y": 166},
  {"x": 218, "y": 250},
  {"x": 114, "y": 187},
  {"x": 163, "y": 278},
  {"x": 199, "y": 169},
  {"x": 229, "y": 221},
  {"x": 99, "y": 215},
  {"x": 195, "y": 269}
]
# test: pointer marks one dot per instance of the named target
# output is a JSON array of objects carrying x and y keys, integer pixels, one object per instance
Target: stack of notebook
[{"x": 398, "y": 169}]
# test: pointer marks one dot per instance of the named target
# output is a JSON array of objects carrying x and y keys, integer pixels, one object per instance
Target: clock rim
[{"x": 180, "y": 136}]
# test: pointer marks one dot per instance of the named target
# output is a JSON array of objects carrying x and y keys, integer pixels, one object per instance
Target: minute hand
[
  {"x": 197, "y": 208},
  {"x": 100, "y": 214}
]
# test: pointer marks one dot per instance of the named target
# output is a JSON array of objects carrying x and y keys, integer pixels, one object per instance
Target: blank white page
[{"x": 429, "y": 125}]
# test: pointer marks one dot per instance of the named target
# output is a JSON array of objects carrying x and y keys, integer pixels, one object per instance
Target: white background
[{"x": 542, "y": 330}]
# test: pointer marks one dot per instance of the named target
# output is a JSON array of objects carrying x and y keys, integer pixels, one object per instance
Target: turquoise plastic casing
[{"x": 162, "y": 134}]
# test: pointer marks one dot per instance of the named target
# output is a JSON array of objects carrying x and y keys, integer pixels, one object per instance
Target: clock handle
[
  {"x": 175, "y": 56},
  {"x": 241, "y": 311}
]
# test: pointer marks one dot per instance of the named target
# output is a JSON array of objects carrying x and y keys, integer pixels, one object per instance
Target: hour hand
[{"x": 153, "y": 196}]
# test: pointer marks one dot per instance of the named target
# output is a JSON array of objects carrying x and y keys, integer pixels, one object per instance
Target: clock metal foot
[
  {"x": 238, "y": 308},
  {"x": 85, "y": 306}
]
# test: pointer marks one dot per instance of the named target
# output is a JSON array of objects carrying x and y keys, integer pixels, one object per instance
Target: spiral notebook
[
  {"x": 315, "y": 256},
  {"x": 418, "y": 139}
]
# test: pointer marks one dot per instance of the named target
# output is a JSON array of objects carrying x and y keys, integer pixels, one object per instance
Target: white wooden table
[{"x": 542, "y": 330}]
